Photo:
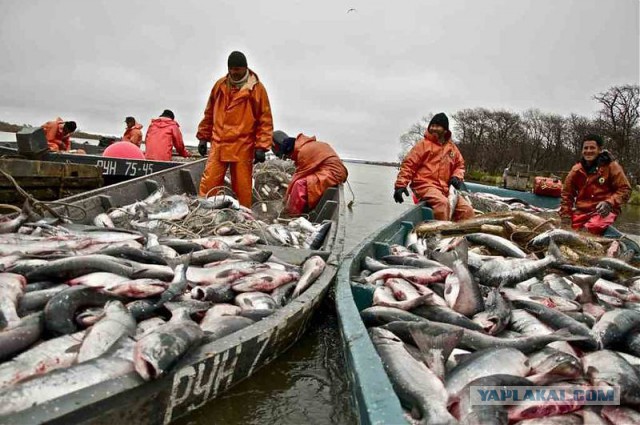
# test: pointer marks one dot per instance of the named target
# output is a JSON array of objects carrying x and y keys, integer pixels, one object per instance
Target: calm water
[{"x": 307, "y": 384}]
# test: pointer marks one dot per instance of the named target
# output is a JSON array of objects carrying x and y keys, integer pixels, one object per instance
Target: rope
[
  {"x": 36, "y": 204},
  {"x": 353, "y": 196},
  {"x": 10, "y": 207}
]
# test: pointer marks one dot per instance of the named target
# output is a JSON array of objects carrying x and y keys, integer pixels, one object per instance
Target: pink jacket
[{"x": 163, "y": 134}]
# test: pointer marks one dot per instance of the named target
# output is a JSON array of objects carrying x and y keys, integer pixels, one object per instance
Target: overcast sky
[{"x": 357, "y": 80}]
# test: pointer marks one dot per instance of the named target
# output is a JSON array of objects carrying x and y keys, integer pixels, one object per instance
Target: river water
[{"x": 308, "y": 383}]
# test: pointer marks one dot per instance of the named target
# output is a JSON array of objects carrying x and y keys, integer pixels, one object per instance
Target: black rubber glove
[
  {"x": 455, "y": 182},
  {"x": 259, "y": 156},
  {"x": 603, "y": 208},
  {"x": 202, "y": 147},
  {"x": 397, "y": 194}
]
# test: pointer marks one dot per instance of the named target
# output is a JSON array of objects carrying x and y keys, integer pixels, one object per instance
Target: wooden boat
[
  {"x": 31, "y": 143},
  {"x": 114, "y": 170},
  {"x": 372, "y": 392},
  {"x": 88, "y": 148},
  {"x": 46, "y": 181},
  {"x": 212, "y": 368}
]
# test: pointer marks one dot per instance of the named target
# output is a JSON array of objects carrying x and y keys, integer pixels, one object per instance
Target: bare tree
[
  {"x": 619, "y": 115},
  {"x": 413, "y": 136},
  {"x": 545, "y": 137}
]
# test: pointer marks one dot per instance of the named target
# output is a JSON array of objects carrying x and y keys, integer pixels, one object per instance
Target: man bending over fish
[
  {"x": 318, "y": 167},
  {"x": 433, "y": 165},
  {"x": 594, "y": 190}
]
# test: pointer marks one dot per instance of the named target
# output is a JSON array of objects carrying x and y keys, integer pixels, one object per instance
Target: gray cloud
[{"x": 356, "y": 80}]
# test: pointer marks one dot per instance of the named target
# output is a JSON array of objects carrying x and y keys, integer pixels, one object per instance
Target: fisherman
[
  {"x": 318, "y": 167},
  {"x": 595, "y": 189},
  {"x": 431, "y": 166},
  {"x": 505, "y": 174},
  {"x": 163, "y": 135},
  {"x": 58, "y": 134},
  {"x": 133, "y": 132},
  {"x": 237, "y": 121}
]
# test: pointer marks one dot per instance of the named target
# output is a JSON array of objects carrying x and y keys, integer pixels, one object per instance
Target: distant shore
[
  {"x": 364, "y": 161},
  {"x": 14, "y": 128}
]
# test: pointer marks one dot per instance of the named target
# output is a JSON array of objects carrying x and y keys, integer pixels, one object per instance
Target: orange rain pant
[
  {"x": 440, "y": 206},
  {"x": 241, "y": 174}
]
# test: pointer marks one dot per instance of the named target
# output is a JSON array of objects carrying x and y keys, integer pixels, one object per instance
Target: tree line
[{"x": 492, "y": 139}]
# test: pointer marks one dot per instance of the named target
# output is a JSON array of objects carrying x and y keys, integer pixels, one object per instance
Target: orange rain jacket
[
  {"x": 162, "y": 135},
  {"x": 55, "y": 139},
  {"x": 133, "y": 134},
  {"x": 431, "y": 164},
  {"x": 584, "y": 190},
  {"x": 319, "y": 164},
  {"x": 237, "y": 121}
]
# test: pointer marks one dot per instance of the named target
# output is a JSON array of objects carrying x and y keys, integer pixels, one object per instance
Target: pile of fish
[
  {"x": 80, "y": 305},
  {"x": 484, "y": 202},
  {"x": 507, "y": 299},
  {"x": 185, "y": 216}
]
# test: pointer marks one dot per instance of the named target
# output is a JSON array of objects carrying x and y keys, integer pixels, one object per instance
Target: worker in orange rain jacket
[
  {"x": 237, "y": 122},
  {"x": 318, "y": 167},
  {"x": 594, "y": 190},
  {"x": 163, "y": 135},
  {"x": 133, "y": 132},
  {"x": 430, "y": 167},
  {"x": 58, "y": 133}
]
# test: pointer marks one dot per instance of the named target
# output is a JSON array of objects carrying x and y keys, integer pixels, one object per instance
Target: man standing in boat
[
  {"x": 318, "y": 167},
  {"x": 595, "y": 189},
  {"x": 237, "y": 122},
  {"x": 432, "y": 165},
  {"x": 133, "y": 132},
  {"x": 162, "y": 136},
  {"x": 58, "y": 134}
]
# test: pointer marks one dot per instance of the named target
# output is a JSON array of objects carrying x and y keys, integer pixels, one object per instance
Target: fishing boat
[
  {"x": 372, "y": 391},
  {"x": 46, "y": 181},
  {"x": 209, "y": 370},
  {"x": 31, "y": 145}
]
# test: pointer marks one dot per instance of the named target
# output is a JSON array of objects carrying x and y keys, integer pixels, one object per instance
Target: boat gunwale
[
  {"x": 73, "y": 405},
  {"x": 360, "y": 354}
]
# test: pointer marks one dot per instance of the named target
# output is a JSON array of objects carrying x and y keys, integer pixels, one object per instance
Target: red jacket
[
  {"x": 583, "y": 190},
  {"x": 237, "y": 121},
  {"x": 133, "y": 134},
  {"x": 163, "y": 134},
  {"x": 55, "y": 139},
  {"x": 431, "y": 164},
  {"x": 319, "y": 164}
]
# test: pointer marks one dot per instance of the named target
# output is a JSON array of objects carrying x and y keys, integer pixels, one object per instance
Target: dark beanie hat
[
  {"x": 70, "y": 126},
  {"x": 595, "y": 137},
  {"x": 282, "y": 143},
  {"x": 441, "y": 120},
  {"x": 236, "y": 59},
  {"x": 167, "y": 114}
]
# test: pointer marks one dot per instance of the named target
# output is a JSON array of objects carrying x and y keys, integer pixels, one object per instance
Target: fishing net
[
  {"x": 268, "y": 211},
  {"x": 271, "y": 179}
]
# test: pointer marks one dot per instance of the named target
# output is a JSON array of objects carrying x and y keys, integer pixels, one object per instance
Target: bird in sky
[{"x": 351, "y": 10}]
